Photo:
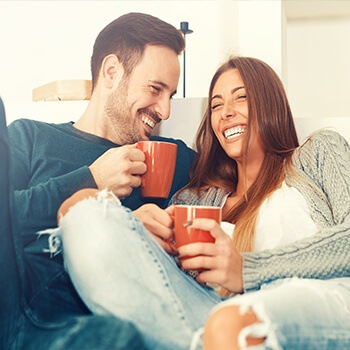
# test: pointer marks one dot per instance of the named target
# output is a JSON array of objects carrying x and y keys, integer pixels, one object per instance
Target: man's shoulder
[{"x": 30, "y": 125}]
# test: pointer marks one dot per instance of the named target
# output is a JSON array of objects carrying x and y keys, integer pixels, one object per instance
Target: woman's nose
[{"x": 228, "y": 111}]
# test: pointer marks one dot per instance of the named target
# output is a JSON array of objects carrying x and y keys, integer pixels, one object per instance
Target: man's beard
[{"x": 126, "y": 127}]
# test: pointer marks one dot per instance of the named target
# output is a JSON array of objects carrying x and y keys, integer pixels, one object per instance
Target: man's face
[{"x": 143, "y": 99}]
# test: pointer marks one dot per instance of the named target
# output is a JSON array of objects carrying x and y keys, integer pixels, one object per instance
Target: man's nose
[{"x": 163, "y": 108}]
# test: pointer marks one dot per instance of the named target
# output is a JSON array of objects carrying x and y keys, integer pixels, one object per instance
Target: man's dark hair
[{"x": 128, "y": 35}]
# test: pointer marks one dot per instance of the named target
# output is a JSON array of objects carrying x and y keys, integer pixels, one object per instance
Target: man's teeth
[
  {"x": 148, "y": 121},
  {"x": 233, "y": 132}
]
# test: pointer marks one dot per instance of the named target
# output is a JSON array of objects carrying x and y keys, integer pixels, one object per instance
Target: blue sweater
[{"x": 50, "y": 162}]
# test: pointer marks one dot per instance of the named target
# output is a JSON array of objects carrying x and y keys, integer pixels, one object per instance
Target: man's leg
[
  {"x": 118, "y": 268},
  {"x": 20, "y": 328}
]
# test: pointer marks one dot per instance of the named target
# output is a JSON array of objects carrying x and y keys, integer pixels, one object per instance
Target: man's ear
[{"x": 112, "y": 71}]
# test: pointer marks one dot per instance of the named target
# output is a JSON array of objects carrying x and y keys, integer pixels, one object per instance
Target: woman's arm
[{"x": 326, "y": 161}]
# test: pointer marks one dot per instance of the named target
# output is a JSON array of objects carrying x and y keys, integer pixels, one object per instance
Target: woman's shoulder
[
  {"x": 212, "y": 196},
  {"x": 325, "y": 135},
  {"x": 321, "y": 154},
  {"x": 323, "y": 140}
]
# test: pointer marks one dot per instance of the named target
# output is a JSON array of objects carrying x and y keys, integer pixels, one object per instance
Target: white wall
[
  {"x": 318, "y": 66},
  {"x": 44, "y": 41}
]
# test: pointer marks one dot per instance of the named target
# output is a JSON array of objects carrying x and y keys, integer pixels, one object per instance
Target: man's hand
[
  {"x": 119, "y": 169},
  {"x": 158, "y": 222}
]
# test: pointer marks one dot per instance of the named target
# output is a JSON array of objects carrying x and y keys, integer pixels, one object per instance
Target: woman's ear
[{"x": 112, "y": 71}]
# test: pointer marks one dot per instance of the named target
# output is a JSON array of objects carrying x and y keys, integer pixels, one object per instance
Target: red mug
[
  {"x": 160, "y": 158},
  {"x": 184, "y": 215}
]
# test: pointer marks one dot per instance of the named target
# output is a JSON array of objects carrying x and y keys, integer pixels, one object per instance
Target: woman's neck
[{"x": 246, "y": 177}]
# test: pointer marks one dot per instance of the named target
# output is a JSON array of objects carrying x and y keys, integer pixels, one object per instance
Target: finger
[
  {"x": 200, "y": 262},
  {"x": 136, "y": 154},
  {"x": 208, "y": 276},
  {"x": 135, "y": 181},
  {"x": 198, "y": 248},
  {"x": 162, "y": 216},
  {"x": 159, "y": 230},
  {"x": 209, "y": 225},
  {"x": 170, "y": 210},
  {"x": 137, "y": 168},
  {"x": 163, "y": 244}
]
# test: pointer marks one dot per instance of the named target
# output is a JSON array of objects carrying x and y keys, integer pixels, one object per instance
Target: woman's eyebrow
[{"x": 232, "y": 92}]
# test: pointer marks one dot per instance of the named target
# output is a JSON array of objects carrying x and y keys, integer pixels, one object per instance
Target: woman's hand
[
  {"x": 158, "y": 222},
  {"x": 219, "y": 262}
]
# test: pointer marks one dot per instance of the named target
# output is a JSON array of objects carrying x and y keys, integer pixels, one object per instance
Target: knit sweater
[
  {"x": 323, "y": 161},
  {"x": 50, "y": 162}
]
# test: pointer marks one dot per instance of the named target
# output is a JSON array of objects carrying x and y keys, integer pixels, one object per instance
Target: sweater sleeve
[
  {"x": 325, "y": 159},
  {"x": 36, "y": 204}
]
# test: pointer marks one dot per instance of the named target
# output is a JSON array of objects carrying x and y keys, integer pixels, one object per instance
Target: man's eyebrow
[
  {"x": 232, "y": 92},
  {"x": 163, "y": 85}
]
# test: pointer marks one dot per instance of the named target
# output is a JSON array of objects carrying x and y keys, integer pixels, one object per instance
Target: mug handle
[{"x": 172, "y": 244}]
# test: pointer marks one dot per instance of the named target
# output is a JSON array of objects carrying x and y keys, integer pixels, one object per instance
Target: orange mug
[
  {"x": 160, "y": 158},
  {"x": 184, "y": 215}
]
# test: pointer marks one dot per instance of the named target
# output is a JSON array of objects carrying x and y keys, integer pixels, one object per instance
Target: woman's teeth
[
  {"x": 233, "y": 132},
  {"x": 148, "y": 122}
]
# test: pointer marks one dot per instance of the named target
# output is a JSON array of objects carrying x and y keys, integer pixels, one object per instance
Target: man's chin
[{"x": 145, "y": 135}]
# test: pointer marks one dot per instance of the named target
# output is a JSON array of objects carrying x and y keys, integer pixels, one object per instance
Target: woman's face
[{"x": 229, "y": 118}]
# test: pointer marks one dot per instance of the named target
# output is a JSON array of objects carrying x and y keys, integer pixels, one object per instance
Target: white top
[{"x": 284, "y": 217}]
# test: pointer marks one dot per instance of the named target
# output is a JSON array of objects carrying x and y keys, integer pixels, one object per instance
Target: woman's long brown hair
[{"x": 270, "y": 115}]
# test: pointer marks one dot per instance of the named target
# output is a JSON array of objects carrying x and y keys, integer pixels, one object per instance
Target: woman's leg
[
  {"x": 118, "y": 268},
  {"x": 287, "y": 314}
]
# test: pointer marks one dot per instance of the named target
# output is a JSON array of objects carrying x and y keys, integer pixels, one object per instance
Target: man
[
  {"x": 19, "y": 327},
  {"x": 135, "y": 72}
]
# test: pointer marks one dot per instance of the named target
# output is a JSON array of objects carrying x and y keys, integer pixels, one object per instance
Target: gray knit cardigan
[{"x": 323, "y": 160}]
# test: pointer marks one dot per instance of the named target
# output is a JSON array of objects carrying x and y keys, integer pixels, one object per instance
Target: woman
[{"x": 274, "y": 191}]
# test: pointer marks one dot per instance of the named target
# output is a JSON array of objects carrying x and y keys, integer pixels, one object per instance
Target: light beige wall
[
  {"x": 44, "y": 41},
  {"x": 318, "y": 66}
]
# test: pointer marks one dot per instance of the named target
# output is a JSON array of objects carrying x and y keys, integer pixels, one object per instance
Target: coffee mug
[
  {"x": 160, "y": 158},
  {"x": 183, "y": 217}
]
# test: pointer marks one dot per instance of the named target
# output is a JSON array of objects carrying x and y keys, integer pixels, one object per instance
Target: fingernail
[{"x": 188, "y": 223}]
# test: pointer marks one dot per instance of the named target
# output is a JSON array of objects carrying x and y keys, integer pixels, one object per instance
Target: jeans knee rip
[
  {"x": 263, "y": 329},
  {"x": 105, "y": 197}
]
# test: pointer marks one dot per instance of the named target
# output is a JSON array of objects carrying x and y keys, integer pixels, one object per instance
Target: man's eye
[{"x": 155, "y": 89}]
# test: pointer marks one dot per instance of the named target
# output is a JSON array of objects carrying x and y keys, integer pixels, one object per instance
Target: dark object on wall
[{"x": 185, "y": 30}]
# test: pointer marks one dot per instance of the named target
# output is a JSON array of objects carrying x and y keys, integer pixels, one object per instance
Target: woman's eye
[
  {"x": 242, "y": 97},
  {"x": 216, "y": 106}
]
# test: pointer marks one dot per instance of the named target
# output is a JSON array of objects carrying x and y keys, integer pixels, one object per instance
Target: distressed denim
[
  {"x": 298, "y": 313},
  {"x": 119, "y": 269},
  {"x": 39, "y": 307}
]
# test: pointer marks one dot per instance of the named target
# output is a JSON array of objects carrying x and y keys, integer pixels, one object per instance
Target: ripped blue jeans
[
  {"x": 118, "y": 269},
  {"x": 295, "y": 313}
]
